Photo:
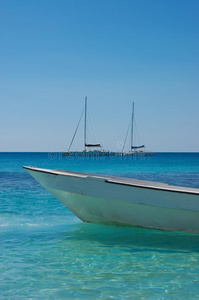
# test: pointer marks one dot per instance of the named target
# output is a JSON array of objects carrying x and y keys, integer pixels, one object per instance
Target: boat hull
[
  {"x": 101, "y": 154},
  {"x": 90, "y": 153},
  {"x": 111, "y": 200}
]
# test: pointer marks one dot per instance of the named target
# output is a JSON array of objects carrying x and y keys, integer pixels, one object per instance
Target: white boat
[{"x": 123, "y": 201}]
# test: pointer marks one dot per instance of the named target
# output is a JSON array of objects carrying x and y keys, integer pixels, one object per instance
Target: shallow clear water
[{"x": 47, "y": 253}]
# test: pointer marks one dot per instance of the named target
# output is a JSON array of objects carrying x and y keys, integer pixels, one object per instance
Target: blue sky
[{"x": 54, "y": 53}]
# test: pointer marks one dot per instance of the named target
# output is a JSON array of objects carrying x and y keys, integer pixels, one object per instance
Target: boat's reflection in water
[{"x": 130, "y": 238}]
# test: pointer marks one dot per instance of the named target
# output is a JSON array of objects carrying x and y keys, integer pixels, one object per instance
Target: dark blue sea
[{"x": 48, "y": 253}]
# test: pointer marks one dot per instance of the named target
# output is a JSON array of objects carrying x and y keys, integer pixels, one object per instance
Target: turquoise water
[{"x": 47, "y": 253}]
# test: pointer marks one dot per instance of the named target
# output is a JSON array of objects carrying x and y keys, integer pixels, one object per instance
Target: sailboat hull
[
  {"x": 102, "y": 154},
  {"x": 94, "y": 153},
  {"x": 122, "y": 201}
]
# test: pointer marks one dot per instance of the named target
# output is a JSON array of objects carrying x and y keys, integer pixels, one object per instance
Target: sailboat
[
  {"x": 133, "y": 149},
  {"x": 90, "y": 150},
  {"x": 86, "y": 145}
]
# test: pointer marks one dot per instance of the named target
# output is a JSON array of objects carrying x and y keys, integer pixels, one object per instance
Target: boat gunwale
[{"x": 119, "y": 180}]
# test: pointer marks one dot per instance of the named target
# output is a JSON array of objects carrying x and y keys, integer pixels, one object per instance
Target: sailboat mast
[
  {"x": 85, "y": 123},
  {"x": 132, "y": 126}
]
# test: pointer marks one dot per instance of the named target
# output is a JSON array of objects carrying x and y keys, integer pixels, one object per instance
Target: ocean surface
[{"x": 48, "y": 253}]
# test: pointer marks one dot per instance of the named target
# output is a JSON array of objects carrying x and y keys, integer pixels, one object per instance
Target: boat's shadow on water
[{"x": 133, "y": 238}]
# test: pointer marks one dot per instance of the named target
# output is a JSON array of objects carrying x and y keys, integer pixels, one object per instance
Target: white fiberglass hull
[{"x": 115, "y": 200}]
